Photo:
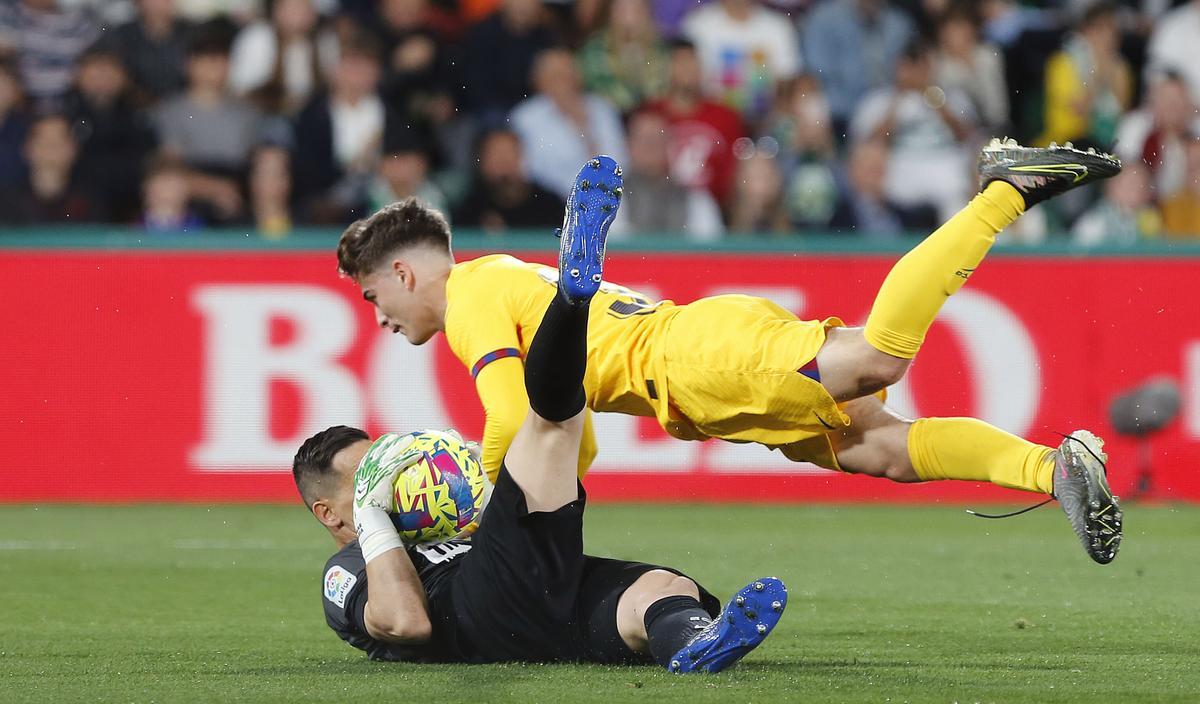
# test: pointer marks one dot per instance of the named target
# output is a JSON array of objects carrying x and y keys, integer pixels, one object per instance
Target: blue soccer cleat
[
  {"x": 743, "y": 625},
  {"x": 591, "y": 208}
]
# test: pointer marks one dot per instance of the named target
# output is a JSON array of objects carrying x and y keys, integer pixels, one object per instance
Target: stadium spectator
[
  {"x": 744, "y": 50},
  {"x": 341, "y": 132},
  {"x": 561, "y": 127},
  {"x": 757, "y": 206},
  {"x": 206, "y": 126},
  {"x": 1173, "y": 46},
  {"x": 972, "y": 68},
  {"x": 403, "y": 172},
  {"x": 46, "y": 40},
  {"x": 166, "y": 195},
  {"x": 625, "y": 61},
  {"x": 801, "y": 126},
  {"x": 1088, "y": 83},
  {"x": 926, "y": 129},
  {"x": 498, "y": 58},
  {"x": 209, "y": 129},
  {"x": 501, "y": 197},
  {"x": 1125, "y": 214},
  {"x": 154, "y": 48},
  {"x": 279, "y": 64},
  {"x": 420, "y": 78},
  {"x": 14, "y": 123},
  {"x": 271, "y": 191},
  {"x": 1157, "y": 133},
  {"x": 853, "y": 46},
  {"x": 653, "y": 203},
  {"x": 865, "y": 207},
  {"x": 51, "y": 193},
  {"x": 115, "y": 136},
  {"x": 1181, "y": 211},
  {"x": 702, "y": 131}
]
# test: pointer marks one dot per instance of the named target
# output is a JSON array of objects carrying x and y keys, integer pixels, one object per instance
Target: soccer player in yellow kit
[{"x": 741, "y": 368}]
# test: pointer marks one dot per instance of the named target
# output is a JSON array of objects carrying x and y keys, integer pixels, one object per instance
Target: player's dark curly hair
[
  {"x": 314, "y": 459},
  {"x": 409, "y": 223}
]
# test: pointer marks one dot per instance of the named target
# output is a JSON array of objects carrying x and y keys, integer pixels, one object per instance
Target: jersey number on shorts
[{"x": 629, "y": 303}]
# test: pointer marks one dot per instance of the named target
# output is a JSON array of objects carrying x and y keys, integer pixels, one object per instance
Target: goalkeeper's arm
[{"x": 396, "y": 610}]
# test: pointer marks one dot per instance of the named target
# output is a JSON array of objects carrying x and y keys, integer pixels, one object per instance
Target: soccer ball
[{"x": 441, "y": 495}]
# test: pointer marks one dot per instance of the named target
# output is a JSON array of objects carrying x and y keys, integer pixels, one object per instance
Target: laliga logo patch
[{"x": 338, "y": 583}]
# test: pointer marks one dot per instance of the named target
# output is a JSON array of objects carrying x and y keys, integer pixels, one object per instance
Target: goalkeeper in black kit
[{"x": 522, "y": 588}]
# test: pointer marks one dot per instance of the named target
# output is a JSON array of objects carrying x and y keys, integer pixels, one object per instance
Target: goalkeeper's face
[
  {"x": 338, "y": 491},
  {"x": 404, "y": 299}
]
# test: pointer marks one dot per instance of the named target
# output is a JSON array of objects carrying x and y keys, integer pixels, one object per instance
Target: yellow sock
[
  {"x": 968, "y": 448},
  {"x": 915, "y": 289}
]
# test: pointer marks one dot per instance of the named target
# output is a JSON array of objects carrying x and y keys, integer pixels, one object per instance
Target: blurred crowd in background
[{"x": 732, "y": 117}]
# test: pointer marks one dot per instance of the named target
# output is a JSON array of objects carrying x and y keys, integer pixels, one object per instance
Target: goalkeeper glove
[{"x": 374, "y": 493}]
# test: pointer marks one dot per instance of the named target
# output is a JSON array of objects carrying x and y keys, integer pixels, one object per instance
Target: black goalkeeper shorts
[{"x": 527, "y": 592}]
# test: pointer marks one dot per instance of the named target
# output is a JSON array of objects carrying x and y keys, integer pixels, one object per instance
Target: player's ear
[
  {"x": 404, "y": 271},
  {"x": 326, "y": 515}
]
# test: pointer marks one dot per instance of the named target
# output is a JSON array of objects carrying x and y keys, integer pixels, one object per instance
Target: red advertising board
[{"x": 148, "y": 376}]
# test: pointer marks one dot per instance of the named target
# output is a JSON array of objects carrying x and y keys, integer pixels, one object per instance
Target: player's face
[{"x": 398, "y": 304}]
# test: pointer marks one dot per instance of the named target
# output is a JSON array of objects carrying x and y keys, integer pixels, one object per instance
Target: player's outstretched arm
[
  {"x": 501, "y": 389},
  {"x": 396, "y": 609}
]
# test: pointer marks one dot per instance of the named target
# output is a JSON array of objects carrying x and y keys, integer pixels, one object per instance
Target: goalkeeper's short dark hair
[
  {"x": 314, "y": 459},
  {"x": 409, "y": 223}
]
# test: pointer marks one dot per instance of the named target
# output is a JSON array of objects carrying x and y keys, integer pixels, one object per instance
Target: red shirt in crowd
[{"x": 702, "y": 144}]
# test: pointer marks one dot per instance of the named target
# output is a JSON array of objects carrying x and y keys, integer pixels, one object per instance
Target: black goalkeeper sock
[
  {"x": 557, "y": 360},
  {"x": 670, "y": 623}
]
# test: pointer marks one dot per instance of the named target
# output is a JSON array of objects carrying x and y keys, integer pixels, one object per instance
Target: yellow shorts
[{"x": 732, "y": 368}]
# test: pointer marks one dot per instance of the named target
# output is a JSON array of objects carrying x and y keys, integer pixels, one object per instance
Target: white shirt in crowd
[
  {"x": 357, "y": 129},
  {"x": 555, "y": 148},
  {"x": 1173, "y": 46},
  {"x": 730, "y": 51},
  {"x": 252, "y": 61}
]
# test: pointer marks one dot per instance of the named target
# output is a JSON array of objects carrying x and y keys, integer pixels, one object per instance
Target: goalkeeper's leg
[{"x": 543, "y": 457}]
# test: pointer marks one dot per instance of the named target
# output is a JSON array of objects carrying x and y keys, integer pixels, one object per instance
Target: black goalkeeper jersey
[{"x": 344, "y": 592}]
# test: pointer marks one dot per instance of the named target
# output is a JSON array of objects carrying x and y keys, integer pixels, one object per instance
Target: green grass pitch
[{"x": 888, "y": 604}]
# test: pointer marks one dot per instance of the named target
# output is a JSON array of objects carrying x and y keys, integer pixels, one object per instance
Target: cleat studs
[
  {"x": 558, "y": 232},
  {"x": 617, "y": 171},
  {"x": 594, "y": 163},
  {"x": 574, "y": 273},
  {"x": 618, "y": 191},
  {"x": 751, "y": 615},
  {"x": 606, "y": 208},
  {"x": 585, "y": 184},
  {"x": 759, "y": 586},
  {"x": 761, "y": 628},
  {"x": 1068, "y": 145},
  {"x": 675, "y": 664},
  {"x": 776, "y": 606},
  {"x": 596, "y": 278},
  {"x": 1054, "y": 145},
  {"x": 740, "y": 601}
]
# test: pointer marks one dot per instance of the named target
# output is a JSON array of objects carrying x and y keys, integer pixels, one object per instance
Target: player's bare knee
[
  {"x": 884, "y": 370},
  {"x": 660, "y": 584}
]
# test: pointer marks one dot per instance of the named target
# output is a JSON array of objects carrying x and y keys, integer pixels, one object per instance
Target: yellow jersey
[{"x": 494, "y": 306}]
